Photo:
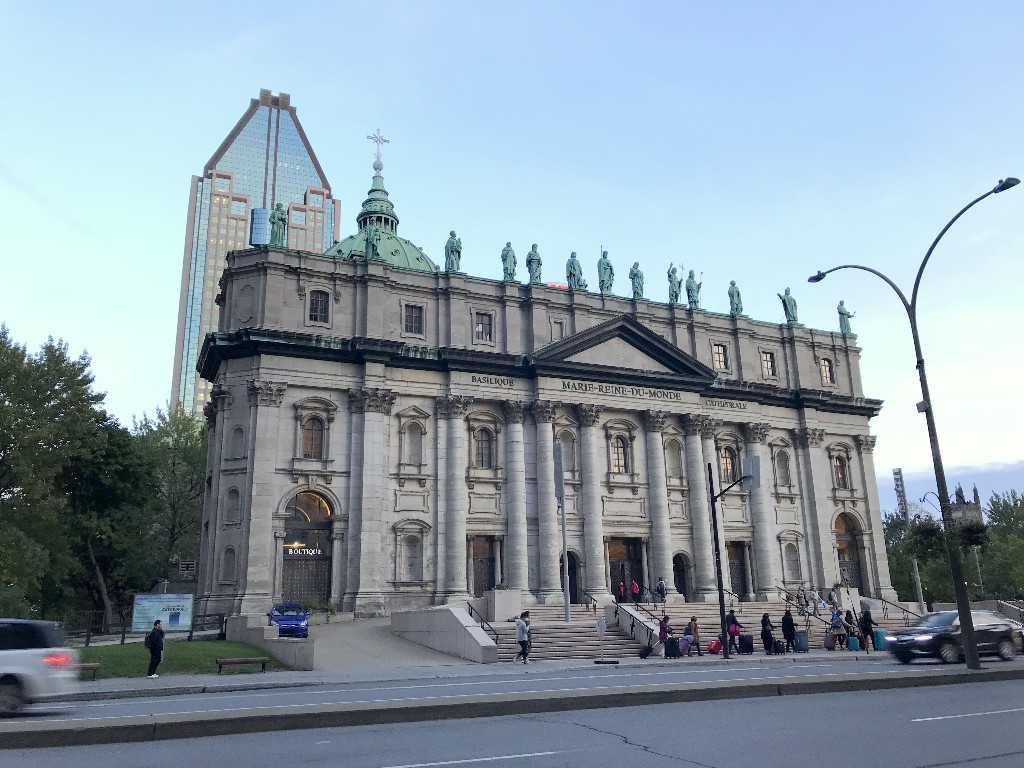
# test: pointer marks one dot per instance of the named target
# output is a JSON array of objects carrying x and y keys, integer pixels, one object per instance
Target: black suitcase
[
  {"x": 779, "y": 648},
  {"x": 646, "y": 651},
  {"x": 746, "y": 643},
  {"x": 672, "y": 648}
]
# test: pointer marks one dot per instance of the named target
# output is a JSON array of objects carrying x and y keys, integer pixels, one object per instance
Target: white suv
[{"x": 34, "y": 663}]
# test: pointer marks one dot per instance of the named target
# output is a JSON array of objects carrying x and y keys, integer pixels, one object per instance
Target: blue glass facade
[{"x": 264, "y": 161}]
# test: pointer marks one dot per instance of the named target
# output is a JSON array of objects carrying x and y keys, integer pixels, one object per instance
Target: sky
[{"x": 748, "y": 141}]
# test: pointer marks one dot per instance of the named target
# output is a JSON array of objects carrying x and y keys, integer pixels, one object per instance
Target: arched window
[
  {"x": 233, "y": 507},
  {"x": 728, "y": 465},
  {"x": 484, "y": 442},
  {"x": 313, "y": 438},
  {"x": 673, "y": 459},
  {"x": 413, "y": 444},
  {"x": 237, "y": 443},
  {"x": 565, "y": 439},
  {"x": 319, "y": 303},
  {"x": 827, "y": 372},
  {"x": 620, "y": 455},
  {"x": 841, "y": 472},
  {"x": 227, "y": 566},
  {"x": 782, "y": 474},
  {"x": 791, "y": 558},
  {"x": 412, "y": 558}
]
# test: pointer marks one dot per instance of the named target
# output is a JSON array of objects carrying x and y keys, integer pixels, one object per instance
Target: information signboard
[{"x": 173, "y": 611}]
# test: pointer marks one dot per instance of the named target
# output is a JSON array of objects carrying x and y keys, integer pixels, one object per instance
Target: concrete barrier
[
  {"x": 448, "y": 629},
  {"x": 297, "y": 653}
]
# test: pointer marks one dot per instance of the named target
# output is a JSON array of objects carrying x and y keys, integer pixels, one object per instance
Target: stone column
[
  {"x": 590, "y": 502},
  {"x": 762, "y": 515},
  {"x": 498, "y": 575},
  {"x": 549, "y": 541},
  {"x": 657, "y": 493},
  {"x": 375, "y": 405},
  {"x": 645, "y": 563},
  {"x": 875, "y": 558},
  {"x": 704, "y": 588},
  {"x": 708, "y": 429},
  {"x": 748, "y": 569},
  {"x": 453, "y": 409},
  {"x": 817, "y": 476},
  {"x": 517, "y": 557},
  {"x": 337, "y": 565},
  {"x": 441, "y": 491},
  {"x": 279, "y": 566}
]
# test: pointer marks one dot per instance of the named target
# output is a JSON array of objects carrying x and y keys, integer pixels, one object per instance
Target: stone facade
[{"x": 397, "y": 450}]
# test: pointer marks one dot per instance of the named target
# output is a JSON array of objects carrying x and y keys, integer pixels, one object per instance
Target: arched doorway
[
  {"x": 681, "y": 576},
  {"x": 625, "y": 563},
  {"x": 848, "y": 550},
  {"x": 307, "y": 549},
  {"x": 574, "y": 576}
]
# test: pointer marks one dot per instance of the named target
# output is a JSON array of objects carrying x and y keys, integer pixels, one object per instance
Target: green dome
[{"x": 378, "y": 216}]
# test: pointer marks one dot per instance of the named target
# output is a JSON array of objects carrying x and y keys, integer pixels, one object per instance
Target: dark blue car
[{"x": 291, "y": 619}]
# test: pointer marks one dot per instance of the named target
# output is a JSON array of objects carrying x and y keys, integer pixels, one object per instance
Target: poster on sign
[{"x": 173, "y": 611}]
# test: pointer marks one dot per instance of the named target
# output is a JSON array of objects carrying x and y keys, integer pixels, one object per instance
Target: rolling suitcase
[
  {"x": 671, "y": 648},
  {"x": 646, "y": 651},
  {"x": 853, "y": 643},
  {"x": 714, "y": 646},
  {"x": 830, "y": 641},
  {"x": 778, "y": 648},
  {"x": 879, "y": 638},
  {"x": 746, "y": 643},
  {"x": 684, "y": 647},
  {"x": 800, "y": 644}
]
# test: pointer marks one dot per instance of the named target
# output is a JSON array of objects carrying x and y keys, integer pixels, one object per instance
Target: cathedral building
[{"x": 383, "y": 433}]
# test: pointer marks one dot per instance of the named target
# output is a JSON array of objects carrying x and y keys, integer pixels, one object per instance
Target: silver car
[{"x": 35, "y": 663}]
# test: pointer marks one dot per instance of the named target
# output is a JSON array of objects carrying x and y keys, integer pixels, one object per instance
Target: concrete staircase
[{"x": 552, "y": 638}]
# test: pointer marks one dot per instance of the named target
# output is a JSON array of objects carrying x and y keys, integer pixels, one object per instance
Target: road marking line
[
  {"x": 968, "y": 714},
  {"x": 475, "y": 760}
]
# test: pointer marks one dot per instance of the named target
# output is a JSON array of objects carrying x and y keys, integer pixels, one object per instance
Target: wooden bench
[
  {"x": 261, "y": 660},
  {"x": 91, "y": 667}
]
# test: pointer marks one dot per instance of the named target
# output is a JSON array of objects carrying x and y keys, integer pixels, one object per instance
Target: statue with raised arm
[
  {"x": 372, "y": 242},
  {"x": 735, "y": 300},
  {"x": 605, "y": 274},
  {"x": 636, "y": 277},
  {"x": 844, "y": 319},
  {"x": 788, "y": 306},
  {"x": 278, "y": 222},
  {"x": 508, "y": 263},
  {"x": 574, "y": 274},
  {"x": 675, "y": 285},
  {"x": 693, "y": 291},
  {"x": 452, "y": 253},
  {"x": 533, "y": 264}
]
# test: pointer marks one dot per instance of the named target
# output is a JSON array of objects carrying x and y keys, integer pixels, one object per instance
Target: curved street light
[{"x": 963, "y": 605}]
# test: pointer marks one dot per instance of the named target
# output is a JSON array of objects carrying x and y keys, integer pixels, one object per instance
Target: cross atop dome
[{"x": 379, "y": 140}]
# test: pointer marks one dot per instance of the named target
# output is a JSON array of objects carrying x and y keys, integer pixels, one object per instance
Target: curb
[
  {"x": 178, "y": 690},
  {"x": 304, "y": 717}
]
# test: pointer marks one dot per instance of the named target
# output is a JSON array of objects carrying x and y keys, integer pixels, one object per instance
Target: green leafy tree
[
  {"x": 1005, "y": 512},
  {"x": 174, "y": 443}
]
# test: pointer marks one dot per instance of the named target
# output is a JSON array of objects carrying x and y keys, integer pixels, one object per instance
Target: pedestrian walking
[
  {"x": 767, "y": 638},
  {"x": 635, "y": 589},
  {"x": 815, "y": 601},
  {"x": 789, "y": 631},
  {"x": 155, "y": 643},
  {"x": 622, "y": 591},
  {"x": 838, "y": 630},
  {"x": 867, "y": 625},
  {"x": 664, "y": 630},
  {"x": 733, "y": 628},
  {"x": 662, "y": 589},
  {"x": 692, "y": 633},
  {"x": 523, "y": 636},
  {"x": 801, "y": 600}
]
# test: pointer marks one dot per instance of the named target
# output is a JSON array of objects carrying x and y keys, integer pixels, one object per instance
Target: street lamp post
[{"x": 952, "y": 545}]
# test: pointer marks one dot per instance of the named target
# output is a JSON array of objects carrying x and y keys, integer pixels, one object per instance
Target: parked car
[
  {"x": 938, "y": 635},
  {"x": 291, "y": 619},
  {"x": 35, "y": 663}
]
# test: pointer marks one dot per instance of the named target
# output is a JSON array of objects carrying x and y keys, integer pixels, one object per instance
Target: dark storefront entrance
[
  {"x": 574, "y": 570},
  {"x": 625, "y": 564},
  {"x": 484, "y": 572},
  {"x": 307, "y": 550},
  {"x": 738, "y": 568}
]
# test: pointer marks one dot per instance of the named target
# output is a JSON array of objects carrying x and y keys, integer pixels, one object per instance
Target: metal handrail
[
  {"x": 632, "y": 622},
  {"x": 593, "y": 600},
  {"x": 789, "y": 598},
  {"x": 907, "y": 613},
  {"x": 484, "y": 624}
]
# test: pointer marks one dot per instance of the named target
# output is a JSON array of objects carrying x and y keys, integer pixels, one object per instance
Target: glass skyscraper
[{"x": 265, "y": 160}]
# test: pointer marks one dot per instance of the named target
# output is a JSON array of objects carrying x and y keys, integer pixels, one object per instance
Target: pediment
[{"x": 625, "y": 346}]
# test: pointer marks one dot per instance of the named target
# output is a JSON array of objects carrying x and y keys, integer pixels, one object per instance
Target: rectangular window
[
  {"x": 414, "y": 319},
  {"x": 482, "y": 326},
  {"x": 720, "y": 357},
  {"x": 768, "y": 368},
  {"x": 318, "y": 312},
  {"x": 557, "y": 330}
]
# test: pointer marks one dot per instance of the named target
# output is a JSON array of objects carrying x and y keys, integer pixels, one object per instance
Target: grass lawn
[{"x": 180, "y": 658}]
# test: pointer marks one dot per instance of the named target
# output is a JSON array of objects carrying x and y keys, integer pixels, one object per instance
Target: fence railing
[{"x": 484, "y": 624}]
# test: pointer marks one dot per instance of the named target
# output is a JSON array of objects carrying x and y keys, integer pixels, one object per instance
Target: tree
[
  {"x": 1005, "y": 513},
  {"x": 174, "y": 443}
]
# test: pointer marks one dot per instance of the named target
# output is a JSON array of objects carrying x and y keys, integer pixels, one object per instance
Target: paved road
[
  {"x": 509, "y": 678},
  {"x": 980, "y": 725}
]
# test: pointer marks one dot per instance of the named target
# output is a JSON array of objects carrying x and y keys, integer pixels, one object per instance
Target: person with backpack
[
  {"x": 789, "y": 631},
  {"x": 837, "y": 628},
  {"x": 155, "y": 643},
  {"x": 867, "y": 625},
  {"x": 692, "y": 634},
  {"x": 523, "y": 636},
  {"x": 662, "y": 589}
]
